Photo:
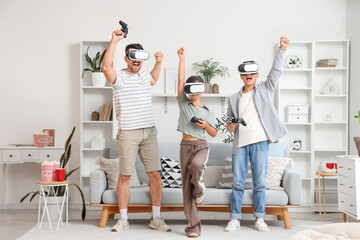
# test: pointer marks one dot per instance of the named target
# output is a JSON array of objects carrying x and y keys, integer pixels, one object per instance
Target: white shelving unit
[
  {"x": 322, "y": 140},
  {"x": 91, "y": 99}
]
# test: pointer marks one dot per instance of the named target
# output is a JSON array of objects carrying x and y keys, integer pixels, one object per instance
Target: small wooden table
[
  {"x": 50, "y": 187},
  {"x": 323, "y": 175}
]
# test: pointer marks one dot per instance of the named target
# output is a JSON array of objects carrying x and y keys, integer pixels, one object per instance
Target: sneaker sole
[
  {"x": 199, "y": 203},
  {"x": 125, "y": 228},
  {"x": 152, "y": 226}
]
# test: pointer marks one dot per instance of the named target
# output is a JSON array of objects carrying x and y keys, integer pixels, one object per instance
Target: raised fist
[
  {"x": 159, "y": 56},
  {"x": 181, "y": 53},
  {"x": 117, "y": 35},
  {"x": 284, "y": 43}
]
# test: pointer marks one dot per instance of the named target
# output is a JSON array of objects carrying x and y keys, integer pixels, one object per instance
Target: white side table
[{"x": 50, "y": 186}]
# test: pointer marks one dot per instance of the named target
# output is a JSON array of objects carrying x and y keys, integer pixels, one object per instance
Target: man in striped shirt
[{"x": 137, "y": 132}]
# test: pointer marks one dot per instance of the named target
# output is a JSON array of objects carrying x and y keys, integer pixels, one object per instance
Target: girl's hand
[
  {"x": 202, "y": 123},
  {"x": 181, "y": 53}
]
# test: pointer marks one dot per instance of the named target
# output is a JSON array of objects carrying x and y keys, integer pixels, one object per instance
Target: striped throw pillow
[{"x": 226, "y": 179}]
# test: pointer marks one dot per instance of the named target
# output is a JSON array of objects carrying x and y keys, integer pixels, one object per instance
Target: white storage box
[
  {"x": 298, "y": 113},
  {"x": 298, "y": 118},
  {"x": 298, "y": 109}
]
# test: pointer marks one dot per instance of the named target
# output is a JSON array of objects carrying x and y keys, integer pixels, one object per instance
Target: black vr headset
[
  {"x": 139, "y": 55},
  {"x": 194, "y": 88},
  {"x": 248, "y": 67}
]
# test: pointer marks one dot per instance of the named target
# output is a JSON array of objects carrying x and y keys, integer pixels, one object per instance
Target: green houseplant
[
  {"x": 221, "y": 126},
  {"x": 357, "y": 139},
  {"x": 94, "y": 66},
  {"x": 64, "y": 162},
  {"x": 209, "y": 69}
]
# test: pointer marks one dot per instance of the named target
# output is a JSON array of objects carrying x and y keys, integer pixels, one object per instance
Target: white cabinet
[
  {"x": 349, "y": 185},
  {"x": 324, "y": 131}
]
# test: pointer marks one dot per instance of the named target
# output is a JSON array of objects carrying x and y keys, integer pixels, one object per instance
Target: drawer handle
[
  {"x": 29, "y": 155},
  {"x": 48, "y": 155},
  {"x": 351, "y": 205},
  {"x": 340, "y": 166},
  {"x": 350, "y": 187},
  {"x": 349, "y": 168},
  {"x": 342, "y": 201},
  {"x": 10, "y": 155},
  {"x": 341, "y": 184}
]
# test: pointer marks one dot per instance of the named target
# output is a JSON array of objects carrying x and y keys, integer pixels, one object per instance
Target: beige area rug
[{"x": 211, "y": 229}]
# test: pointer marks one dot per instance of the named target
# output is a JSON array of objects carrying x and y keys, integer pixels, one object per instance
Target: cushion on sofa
[
  {"x": 226, "y": 180},
  {"x": 212, "y": 175},
  {"x": 275, "y": 172},
  {"x": 111, "y": 168},
  {"x": 170, "y": 173}
]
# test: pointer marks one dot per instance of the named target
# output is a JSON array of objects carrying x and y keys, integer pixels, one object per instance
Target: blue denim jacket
[{"x": 263, "y": 95}]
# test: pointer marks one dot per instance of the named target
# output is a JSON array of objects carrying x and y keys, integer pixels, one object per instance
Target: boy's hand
[
  {"x": 159, "y": 56},
  {"x": 202, "y": 123},
  {"x": 230, "y": 126},
  {"x": 181, "y": 53},
  {"x": 117, "y": 35},
  {"x": 284, "y": 43}
]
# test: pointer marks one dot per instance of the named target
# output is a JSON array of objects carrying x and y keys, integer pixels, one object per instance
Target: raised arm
[
  {"x": 107, "y": 63},
  {"x": 155, "y": 73},
  {"x": 181, "y": 72},
  {"x": 275, "y": 72}
]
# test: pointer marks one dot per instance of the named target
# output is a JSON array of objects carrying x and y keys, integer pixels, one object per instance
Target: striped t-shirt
[{"x": 132, "y": 99}]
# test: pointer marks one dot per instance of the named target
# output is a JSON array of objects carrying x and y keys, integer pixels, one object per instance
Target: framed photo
[
  {"x": 51, "y": 133},
  {"x": 171, "y": 75}
]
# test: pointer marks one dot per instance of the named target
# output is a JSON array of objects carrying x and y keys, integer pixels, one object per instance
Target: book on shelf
[
  {"x": 328, "y": 60},
  {"x": 108, "y": 113},
  {"x": 102, "y": 114}
]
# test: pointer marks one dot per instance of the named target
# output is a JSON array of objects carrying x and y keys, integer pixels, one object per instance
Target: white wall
[
  {"x": 39, "y": 84},
  {"x": 353, "y": 33}
]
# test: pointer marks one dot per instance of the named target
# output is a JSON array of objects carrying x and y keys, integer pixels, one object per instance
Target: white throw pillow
[
  {"x": 275, "y": 171},
  {"x": 112, "y": 170}
]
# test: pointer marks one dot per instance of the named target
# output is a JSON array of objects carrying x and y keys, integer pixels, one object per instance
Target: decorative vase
[
  {"x": 357, "y": 143},
  {"x": 207, "y": 88},
  {"x": 215, "y": 89},
  {"x": 98, "y": 79}
]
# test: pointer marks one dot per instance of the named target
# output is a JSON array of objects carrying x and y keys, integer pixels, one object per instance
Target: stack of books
[
  {"x": 106, "y": 112},
  {"x": 328, "y": 62}
]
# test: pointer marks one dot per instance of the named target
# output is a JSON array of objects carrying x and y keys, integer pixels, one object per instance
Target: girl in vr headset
[{"x": 193, "y": 148}]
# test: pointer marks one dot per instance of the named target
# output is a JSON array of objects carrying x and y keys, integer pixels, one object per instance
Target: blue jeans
[{"x": 258, "y": 155}]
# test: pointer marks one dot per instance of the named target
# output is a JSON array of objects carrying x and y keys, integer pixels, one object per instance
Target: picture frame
[{"x": 51, "y": 133}]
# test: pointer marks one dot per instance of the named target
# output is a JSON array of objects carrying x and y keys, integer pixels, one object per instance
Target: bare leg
[
  {"x": 123, "y": 191},
  {"x": 155, "y": 188}
]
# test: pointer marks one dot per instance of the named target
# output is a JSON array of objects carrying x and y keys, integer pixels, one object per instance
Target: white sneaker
[
  {"x": 261, "y": 226},
  {"x": 232, "y": 225},
  {"x": 192, "y": 235},
  {"x": 199, "y": 200},
  {"x": 159, "y": 224},
  {"x": 122, "y": 224}
]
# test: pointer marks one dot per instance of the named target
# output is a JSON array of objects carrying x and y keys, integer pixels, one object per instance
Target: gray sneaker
[
  {"x": 122, "y": 224},
  {"x": 159, "y": 224}
]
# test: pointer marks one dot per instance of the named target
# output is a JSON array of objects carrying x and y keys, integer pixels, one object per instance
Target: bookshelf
[{"x": 322, "y": 138}]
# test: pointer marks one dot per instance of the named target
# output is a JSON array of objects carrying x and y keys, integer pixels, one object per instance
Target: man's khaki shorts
[{"x": 143, "y": 141}]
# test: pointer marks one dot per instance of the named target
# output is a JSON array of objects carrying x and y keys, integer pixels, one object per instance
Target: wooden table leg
[
  {"x": 319, "y": 190},
  {"x": 324, "y": 197},
  {"x": 344, "y": 217}
]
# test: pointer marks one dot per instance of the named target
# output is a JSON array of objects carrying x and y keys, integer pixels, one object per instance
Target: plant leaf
[
  {"x": 24, "y": 197},
  {"x": 83, "y": 212},
  {"x": 69, "y": 173},
  {"x": 34, "y": 195}
]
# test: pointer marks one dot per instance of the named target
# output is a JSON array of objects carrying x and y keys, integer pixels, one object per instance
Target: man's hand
[
  {"x": 202, "y": 123},
  {"x": 284, "y": 43},
  {"x": 159, "y": 56},
  {"x": 117, "y": 35},
  {"x": 181, "y": 53},
  {"x": 230, "y": 126}
]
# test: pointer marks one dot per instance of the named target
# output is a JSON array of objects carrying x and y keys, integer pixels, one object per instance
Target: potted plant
[
  {"x": 215, "y": 88},
  {"x": 209, "y": 69},
  {"x": 221, "y": 125},
  {"x": 357, "y": 139},
  {"x": 97, "y": 76},
  {"x": 64, "y": 162}
]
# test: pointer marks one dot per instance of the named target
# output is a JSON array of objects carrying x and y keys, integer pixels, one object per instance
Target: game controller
[
  {"x": 237, "y": 120},
  {"x": 125, "y": 28},
  {"x": 195, "y": 120}
]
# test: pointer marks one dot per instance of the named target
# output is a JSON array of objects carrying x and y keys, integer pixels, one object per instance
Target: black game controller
[
  {"x": 237, "y": 120},
  {"x": 125, "y": 28},
  {"x": 195, "y": 120}
]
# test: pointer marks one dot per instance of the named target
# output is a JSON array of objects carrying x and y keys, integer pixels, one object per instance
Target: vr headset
[
  {"x": 139, "y": 55},
  {"x": 248, "y": 67},
  {"x": 194, "y": 88}
]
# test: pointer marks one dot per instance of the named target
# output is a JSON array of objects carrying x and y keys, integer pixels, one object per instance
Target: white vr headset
[
  {"x": 248, "y": 67},
  {"x": 138, "y": 55},
  {"x": 194, "y": 88}
]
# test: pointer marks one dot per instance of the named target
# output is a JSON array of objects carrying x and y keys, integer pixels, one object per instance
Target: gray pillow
[
  {"x": 111, "y": 168},
  {"x": 226, "y": 180},
  {"x": 212, "y": 175}
]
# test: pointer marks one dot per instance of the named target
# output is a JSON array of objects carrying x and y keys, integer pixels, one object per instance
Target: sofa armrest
[
  {"x": 292, "y": 185},
  {"x": 97, "y": 185}
]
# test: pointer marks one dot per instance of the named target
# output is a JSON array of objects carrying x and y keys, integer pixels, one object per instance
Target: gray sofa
[{"x": 277, "y": 202}]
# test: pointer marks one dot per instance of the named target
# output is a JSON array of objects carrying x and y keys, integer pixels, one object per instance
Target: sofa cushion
[
  {"x": 226, "y": 180},
  {"x": 170, "y": 173},
  {"x": 275, "y": 172},
  {"x": 111, "y": 168},
  {"x": 215, "y": 196},
  {"x": 212, "y": 176}
]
